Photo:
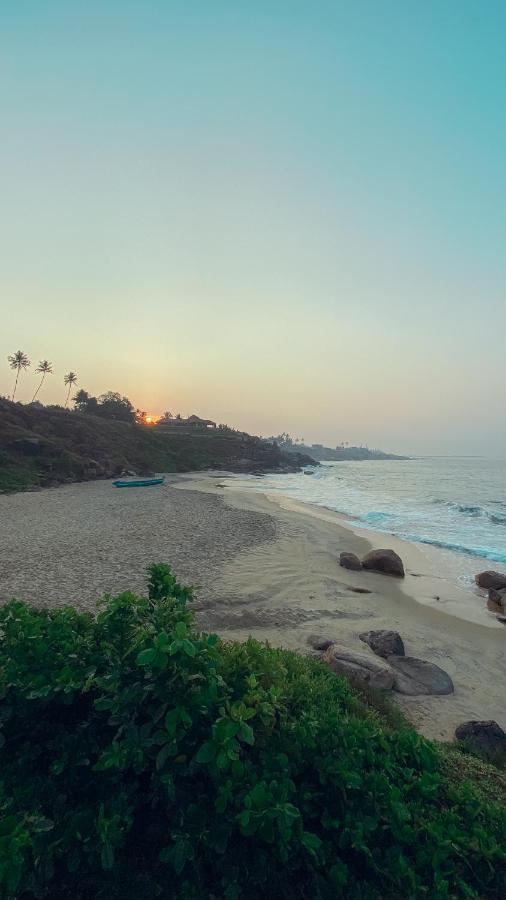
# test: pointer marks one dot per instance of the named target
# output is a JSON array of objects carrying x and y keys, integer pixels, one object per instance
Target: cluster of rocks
[
  {"x": 383, "y": 665},
  {"x": 388, "y": 562},
  {"x": 495, "y": 584}
]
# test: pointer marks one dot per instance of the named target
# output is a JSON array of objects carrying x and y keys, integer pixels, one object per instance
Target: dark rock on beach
[
  {"x": 360, "y": 666},
  {"x": 497, "y": 600},
  {"x": 485, "y": 737},
  {"x": 490, "y": 579},
  {"x": 384, "y": 643},
  {"x": 388, "y": 562},
  {"x": 416, "y": 676},
  {"x": 319, "y": 642},
  {"x": 350, "y": 561}
]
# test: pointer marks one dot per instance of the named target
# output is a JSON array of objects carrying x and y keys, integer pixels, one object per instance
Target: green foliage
[
  {"x": 110, "y": 405},
  {"x": 488, "y": 778},
  {"x": 142, "y": 759},
  {"x": 16, "y": 477}
]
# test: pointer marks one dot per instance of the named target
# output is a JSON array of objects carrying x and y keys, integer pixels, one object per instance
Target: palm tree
[
  {"x": 44, "y": 368},
  {"x": 18, "y": 361},
  {"x": 69, "y": 379}
]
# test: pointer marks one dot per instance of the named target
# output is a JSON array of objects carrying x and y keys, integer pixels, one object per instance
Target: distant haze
[{"x": 285, "y": 216}]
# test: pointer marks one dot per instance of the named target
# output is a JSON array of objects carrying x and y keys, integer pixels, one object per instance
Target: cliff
[{"x": 49, "y": 446}]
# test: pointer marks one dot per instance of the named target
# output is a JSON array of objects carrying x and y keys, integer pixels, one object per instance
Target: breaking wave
[{"x": 473, "y": 511}]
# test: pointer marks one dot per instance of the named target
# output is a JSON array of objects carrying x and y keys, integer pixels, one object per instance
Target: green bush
[{"x": 141, "y": 759}]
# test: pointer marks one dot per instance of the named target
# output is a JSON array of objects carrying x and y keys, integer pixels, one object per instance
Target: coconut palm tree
[
  {"x": 18, "y": 361},
  {"x": 44, "y": 368},
  {"x": 69, "y": 379}
]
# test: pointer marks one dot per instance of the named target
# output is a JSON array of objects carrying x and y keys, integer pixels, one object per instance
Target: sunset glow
[{"x": 282, "y": 216}]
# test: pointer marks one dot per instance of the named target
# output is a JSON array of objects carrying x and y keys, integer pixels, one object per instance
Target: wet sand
[{"x": 265, "y": 568}]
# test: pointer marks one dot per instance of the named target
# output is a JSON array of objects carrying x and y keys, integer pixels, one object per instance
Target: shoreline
[
  {"x": 421, "y": 561},
  {"x": 263, "y": 566},
  {"x": 284, "y": 591},
  {"x": 423, "y": 583}
]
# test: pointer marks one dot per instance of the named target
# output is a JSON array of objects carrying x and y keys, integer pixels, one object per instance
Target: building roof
[
  {"x": 191, "y": 420},
  {"x": 196, "y": 420}
]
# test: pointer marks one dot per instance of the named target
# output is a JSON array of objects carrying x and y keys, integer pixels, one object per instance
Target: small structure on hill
[{"x": 192, "y": 423}]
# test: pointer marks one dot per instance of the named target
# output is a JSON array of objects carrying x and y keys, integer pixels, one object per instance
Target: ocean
[{"x": 455, "y": 504}]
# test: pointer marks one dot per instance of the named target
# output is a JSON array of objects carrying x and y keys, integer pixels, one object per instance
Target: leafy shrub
[{"x": 142, "y": 759}]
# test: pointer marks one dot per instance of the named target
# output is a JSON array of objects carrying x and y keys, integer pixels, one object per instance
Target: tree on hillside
[
  {"x": 84, "y": 402},
  {"x": 44, "y": 368},
  {"x": 112, "y": 405},
  {"x": 70, "y": 380},
  {"x": 18, "y": 361}
]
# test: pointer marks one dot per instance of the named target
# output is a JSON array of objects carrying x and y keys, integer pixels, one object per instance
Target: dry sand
[{"x": 266, "y": 568}]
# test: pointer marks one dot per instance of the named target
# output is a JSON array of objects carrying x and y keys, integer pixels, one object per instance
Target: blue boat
[{"x": 143, "y": 482}]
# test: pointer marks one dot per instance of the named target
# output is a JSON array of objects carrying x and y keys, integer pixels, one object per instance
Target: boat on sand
[{"x": 138, "y": 482}]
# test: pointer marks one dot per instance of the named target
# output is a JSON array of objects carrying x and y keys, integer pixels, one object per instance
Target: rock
[
  {"x": 359, "y": 665},
  {"x": 497, "y": 600},
  {"x": 495, "y": 607},
  {"x": 27, "y": 446},
  {"x": 486, "y": 737},
  {"x": 384, "y": 643},
  {"x": 385, "y": 561},
  {"x": 487, "y": 580},
  {"x": 319, "y": 642},
  {"x": 350, "y": 561},
  {"x": 417, "y": 676}
]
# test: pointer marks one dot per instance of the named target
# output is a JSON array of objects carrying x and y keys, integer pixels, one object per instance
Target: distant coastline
[{"x": 335, "y": 454}]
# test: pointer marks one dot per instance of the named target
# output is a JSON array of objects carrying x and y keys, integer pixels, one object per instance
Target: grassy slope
[{"x": 73, "y": 446}]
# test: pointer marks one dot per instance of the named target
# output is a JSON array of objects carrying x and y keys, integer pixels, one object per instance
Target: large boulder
[
  {"x": 359, "y": 665},
  {"x": 497, "y": 600},
  {"x": 485, "y": 737},
  {"x": 416, "y": 676},
  {"x": 28, "y": 446},
  {"x": 388, "y": 562},
  {"x": 350, "y": 561},
  {"x": 489, "y": 579},
  {"x": 319, "y": 642},
  {"x": 384, "y": 643}
]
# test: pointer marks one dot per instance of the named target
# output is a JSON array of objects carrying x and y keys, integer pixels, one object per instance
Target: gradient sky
[{"x": 282, "y": 215}]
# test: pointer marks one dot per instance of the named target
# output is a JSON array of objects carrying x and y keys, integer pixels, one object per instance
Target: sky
[{"x": 282, "y": 215}]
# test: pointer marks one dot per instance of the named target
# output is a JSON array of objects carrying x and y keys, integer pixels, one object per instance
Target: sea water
[{"x": 456, "y": 504}]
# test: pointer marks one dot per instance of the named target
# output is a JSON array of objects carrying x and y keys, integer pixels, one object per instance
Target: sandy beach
[{"x": 261, "y": 566}]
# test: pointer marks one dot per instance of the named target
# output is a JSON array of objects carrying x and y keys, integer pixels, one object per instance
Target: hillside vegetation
[
  {"x": 52, "y": 445},
  {"x": 143, "y": 759}
]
